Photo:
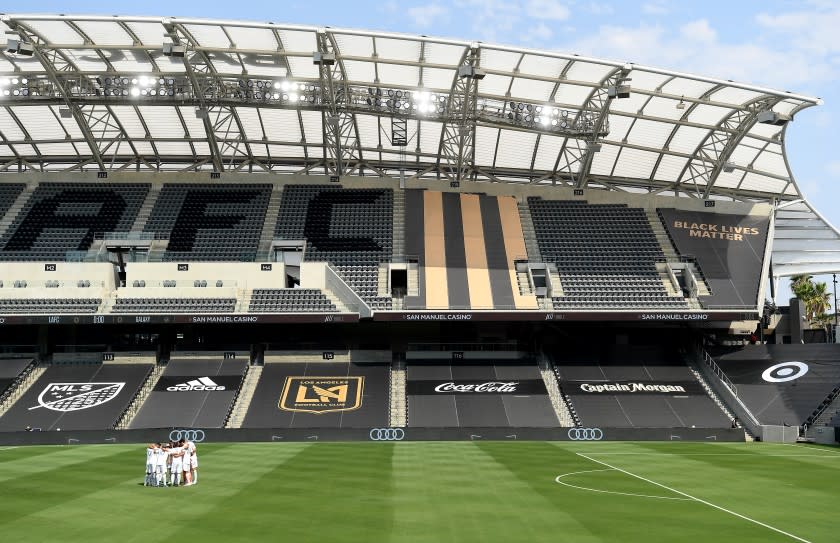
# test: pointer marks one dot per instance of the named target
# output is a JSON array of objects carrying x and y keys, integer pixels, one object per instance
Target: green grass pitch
[{"x": 429, "y": 492}]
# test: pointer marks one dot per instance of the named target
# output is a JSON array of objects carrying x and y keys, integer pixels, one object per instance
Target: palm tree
[{"x": 820, "y": 299}]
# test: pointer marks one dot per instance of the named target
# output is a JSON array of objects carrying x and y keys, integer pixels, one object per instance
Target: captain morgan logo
[
  {"x": 66, "y": 397},
  {"x": 318, "y": 395}
]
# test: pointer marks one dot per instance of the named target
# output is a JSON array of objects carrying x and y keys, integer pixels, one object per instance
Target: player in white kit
[
  {"x": 150, "y": 465},
  {"x": 187, "y": 463},
  {"x": 176, "y": 453},
  {"x": 160, "y": 465},
  {"x": 193, "y": 461}
]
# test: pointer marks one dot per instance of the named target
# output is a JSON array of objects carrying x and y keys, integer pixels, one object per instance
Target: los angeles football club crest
[
  {"x": 318, "y": 395},
  {"x": 66, "y": 397}
]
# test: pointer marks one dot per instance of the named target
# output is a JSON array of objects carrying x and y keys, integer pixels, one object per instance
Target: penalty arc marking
[{"x": 557, "y": 480}]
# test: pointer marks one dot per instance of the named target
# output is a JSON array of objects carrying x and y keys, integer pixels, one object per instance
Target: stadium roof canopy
[{"x": 152, "y": 94}]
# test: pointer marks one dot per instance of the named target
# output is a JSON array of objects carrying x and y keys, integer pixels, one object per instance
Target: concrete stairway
[
  {"x": 398, "y": 405},
  {"x": 271, "y": 215},
  {"x": 16, "y": 207},
  {"x": 714, "y": 396},
  {"x": 243, "y": 400},
  {"x": 661, "y": 235},
  {"x": 399, "y": 224},
  {"x": 333, "y": 297},
  {"x": 25, "y": 381},
  {"x": 146, "y": 209},
  {"x": 528, "y": 233},
  {"x": 135, "y": 405},
  {"x": 554, "y": 394}
]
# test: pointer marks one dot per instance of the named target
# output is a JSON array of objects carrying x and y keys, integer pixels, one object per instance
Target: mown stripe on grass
[
  {"x": 33, "y": 461},
  {"x": 114, "y": 506},
  {"x": 326, "y": 492},
  {"x": 452, "y": 492}
]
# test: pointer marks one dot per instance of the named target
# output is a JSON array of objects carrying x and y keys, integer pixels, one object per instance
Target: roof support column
[
  {"x": 458, "y": 132},
  {"x": 342, "y": 151}
]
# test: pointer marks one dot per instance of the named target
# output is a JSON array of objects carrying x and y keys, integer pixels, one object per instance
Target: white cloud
[
  {"x": 657, "y": 7},
  {"x": 541, "y": 32},
  {"x": 428, "y": 15},
  {"x": 599, "y": 8},
  {"x": 547, "y": 9},
  {"x": 698, "y": 30},
  {"x": 748, "y": 61}
]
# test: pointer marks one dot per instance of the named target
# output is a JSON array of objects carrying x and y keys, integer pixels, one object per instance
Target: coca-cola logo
[{"x": 489, "y": 386}]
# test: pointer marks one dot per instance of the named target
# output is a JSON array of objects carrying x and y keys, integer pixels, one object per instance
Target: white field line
[
  {"x": 557, "y": 480},
  {"x": 710, "y": 504},
  {"x": 7, "y": 448},
  {"x": 831, "y": 452},
  {"x": 751, "y": 455}
]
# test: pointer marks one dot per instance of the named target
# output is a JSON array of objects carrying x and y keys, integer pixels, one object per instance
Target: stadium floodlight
[
  {"x": 17, "y": 46},
  {"x": 326, "y": 59},
  {"x": 471, "y": 72},
  {"x": 729, "y": 167},
  {"x": 65, "y": 112},
  {"x": 681, "y": 104},
  {"x": 173, "y": 50},
  {"x": 618, "y": 91},
  {"x": 771, "y": 117},
  {"x": 200, "y": 113}
]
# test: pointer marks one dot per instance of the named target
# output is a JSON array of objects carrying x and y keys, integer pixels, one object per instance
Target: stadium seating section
[
  {"x": 350, "y": 228},
  {"x": 606, "y": 255},
  {"x": 267, "y": 300},
  {"x": 173, "y": 305},
  {"x": 789, "y": 401},
  {"x": 336, "y": 395},
  {"x": 49, "y": 305},
  {"x": 181, "y": 398},
  {"x": 8, "y": 194},
  {"x": 78, "y": 396},
  {"x": 210, "y": 222},
  {"x": 431, "y": 403},
  {"x": 628, "y": 364},
  {"x": 63, "y": 217}
]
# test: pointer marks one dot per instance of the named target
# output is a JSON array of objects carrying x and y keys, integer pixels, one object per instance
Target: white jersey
[
  {"x": 176, "y": 460},
  {"x": 160, "y": 457},
  {"x": 150, "y": 455},
  {"x": 186, "y": 459}
]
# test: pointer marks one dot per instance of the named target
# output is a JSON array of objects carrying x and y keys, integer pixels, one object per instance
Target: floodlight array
[{"x": 14, "y": 87}]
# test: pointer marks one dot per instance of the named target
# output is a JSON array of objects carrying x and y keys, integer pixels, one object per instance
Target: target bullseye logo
[{"x": 784, "y": 372}]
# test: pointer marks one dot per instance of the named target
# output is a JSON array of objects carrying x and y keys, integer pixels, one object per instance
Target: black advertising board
[
  {"x": 729, "y": 250},
  {"x": 194, "y": 383},
  {"x": 523, "y": 387},
  {"x": 670, "y": 388}
]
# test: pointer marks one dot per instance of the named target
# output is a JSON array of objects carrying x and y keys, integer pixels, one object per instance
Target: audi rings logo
[
  {"x": 196, "y": 436},
  {"x": 586, "y": 434},
  {"x": 784, "y": 372},
  {"x": 387, "y": 434}
]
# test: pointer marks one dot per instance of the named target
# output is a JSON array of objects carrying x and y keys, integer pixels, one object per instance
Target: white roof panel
[
  {"x": 515, "y": 149},
  {"x": 648, "y": 126}
]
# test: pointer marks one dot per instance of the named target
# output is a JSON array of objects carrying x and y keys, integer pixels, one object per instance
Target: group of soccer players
[{"x": 177, "y": 459}]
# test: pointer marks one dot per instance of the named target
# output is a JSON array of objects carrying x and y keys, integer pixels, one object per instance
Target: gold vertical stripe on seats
[
  {"x": 514, "y": 247},
  {"x": 437, "y": 292},
  {"x": 478, "y": 276}
]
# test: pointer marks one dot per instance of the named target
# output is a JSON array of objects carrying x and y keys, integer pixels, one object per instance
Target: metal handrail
[{"x": 707, "y": 358}]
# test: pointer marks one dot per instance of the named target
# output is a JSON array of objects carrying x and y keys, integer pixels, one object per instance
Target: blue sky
[{"x": 784, "y": 44}]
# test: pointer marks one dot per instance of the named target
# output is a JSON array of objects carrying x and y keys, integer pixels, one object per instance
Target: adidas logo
[{"x": 202, "y": 383}]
